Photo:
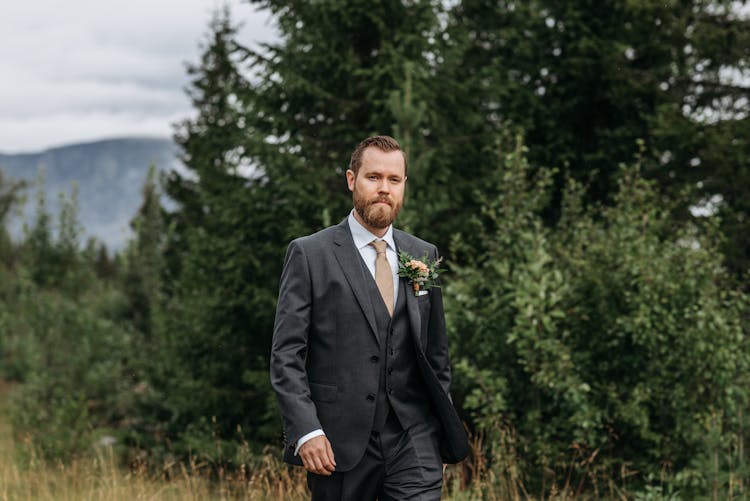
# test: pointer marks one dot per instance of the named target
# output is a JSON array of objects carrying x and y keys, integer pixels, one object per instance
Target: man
[{"x": 359, "y": 359}]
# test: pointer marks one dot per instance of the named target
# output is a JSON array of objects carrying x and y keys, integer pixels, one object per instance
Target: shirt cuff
[{"x": 305, "y": 438}]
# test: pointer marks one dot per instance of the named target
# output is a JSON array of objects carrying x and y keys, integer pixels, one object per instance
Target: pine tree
[
  {"x": 331, "y": 82},
  {"x": 586, "y": 80},
  {"x": 143, "y": 276},
  {"x": 219, "y": 290},
  {"x": 10, "y": 196}
]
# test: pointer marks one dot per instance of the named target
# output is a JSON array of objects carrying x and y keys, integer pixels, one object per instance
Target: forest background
[{"x": 584, "y": 168}]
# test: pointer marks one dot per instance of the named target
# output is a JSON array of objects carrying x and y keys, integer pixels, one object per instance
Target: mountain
[{"x": 109, "y": 175}]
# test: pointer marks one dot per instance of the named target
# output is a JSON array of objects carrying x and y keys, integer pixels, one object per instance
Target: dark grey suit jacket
[{"x": 325, "y": 338}]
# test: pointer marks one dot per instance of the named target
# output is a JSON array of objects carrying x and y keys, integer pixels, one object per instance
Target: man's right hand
[{"x": 317, "y": 456}]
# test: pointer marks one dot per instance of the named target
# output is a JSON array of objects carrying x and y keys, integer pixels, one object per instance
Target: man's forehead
[{"x": 374, "y": 157}]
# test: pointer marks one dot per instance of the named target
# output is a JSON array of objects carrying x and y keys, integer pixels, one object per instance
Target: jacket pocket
[{"x": 321, "y": 392}]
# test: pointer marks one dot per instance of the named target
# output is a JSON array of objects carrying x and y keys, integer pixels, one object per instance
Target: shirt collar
[{"x": 362, "y": 236}]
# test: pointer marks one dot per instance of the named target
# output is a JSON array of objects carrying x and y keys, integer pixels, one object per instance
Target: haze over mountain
[{"x": 109, "y": 175}]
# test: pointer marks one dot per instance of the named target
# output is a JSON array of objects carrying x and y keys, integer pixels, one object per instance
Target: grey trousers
[{"x": 398, "y": 465}]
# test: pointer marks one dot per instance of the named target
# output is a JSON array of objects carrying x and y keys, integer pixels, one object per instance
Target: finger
[
  {"x": 305, "y": 462},
  {"x": 308, "y": 461},
  {"x": 326, "y": 468},
  {"x": 318, "y": 466},
  {"x": 329, "y": 453},
  {"x": 329, "y": 467}
]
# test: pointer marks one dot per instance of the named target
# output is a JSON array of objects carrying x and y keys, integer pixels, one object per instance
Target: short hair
[{"x": 383, "y": 143}]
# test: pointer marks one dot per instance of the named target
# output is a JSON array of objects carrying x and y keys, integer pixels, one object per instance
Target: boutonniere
[{"x": 421, "y": 274}]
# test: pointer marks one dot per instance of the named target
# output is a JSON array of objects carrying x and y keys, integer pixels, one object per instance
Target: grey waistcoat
[{"x": 401, "y": 387}]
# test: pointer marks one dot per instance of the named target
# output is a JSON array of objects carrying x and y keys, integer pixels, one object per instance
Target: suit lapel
[
  {"x": 349, "y": 259},
  {"x": 411, "y": 300}
]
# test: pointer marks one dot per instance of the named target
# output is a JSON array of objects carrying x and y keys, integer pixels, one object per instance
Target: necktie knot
[{"x": 379, "y": 245}]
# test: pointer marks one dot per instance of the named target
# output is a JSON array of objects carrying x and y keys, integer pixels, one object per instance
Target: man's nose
[{"x": 384, "y": 187}]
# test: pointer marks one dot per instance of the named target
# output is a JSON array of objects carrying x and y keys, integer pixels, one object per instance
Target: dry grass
[{"x": 101, "y": 477}]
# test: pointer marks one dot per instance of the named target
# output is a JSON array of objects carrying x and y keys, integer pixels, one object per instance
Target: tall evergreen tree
[
  {"x": 586, "y": 79},
  {"x": 143, "y": 276},
  {"x": 219, "y": 288},
  {"x": 329, "y": 83},
  {"x": 10, "y": 194}
]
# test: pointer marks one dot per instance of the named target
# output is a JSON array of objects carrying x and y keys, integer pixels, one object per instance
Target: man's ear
[{"x": 350, "y": 178}]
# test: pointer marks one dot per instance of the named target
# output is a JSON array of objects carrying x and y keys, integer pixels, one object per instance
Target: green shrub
[{"x": 612, "y": 343}]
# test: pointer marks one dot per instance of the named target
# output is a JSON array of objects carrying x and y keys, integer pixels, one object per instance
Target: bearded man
[{"x": 359, "y": 359}]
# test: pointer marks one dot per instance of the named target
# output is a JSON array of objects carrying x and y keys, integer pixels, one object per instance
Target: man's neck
[{"x": 378, "y": 232}]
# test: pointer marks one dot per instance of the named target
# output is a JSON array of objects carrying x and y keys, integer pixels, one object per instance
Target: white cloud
[
  {"x": 71, "y": 127},
  {"x": 81, "y": 70}
]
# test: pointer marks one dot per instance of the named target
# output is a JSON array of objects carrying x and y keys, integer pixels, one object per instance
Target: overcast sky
[{"x": 80, "y": 70}]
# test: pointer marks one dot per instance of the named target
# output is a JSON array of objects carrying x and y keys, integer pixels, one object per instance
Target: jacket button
[
  {"x": 374, "y": 359},
  {"x": 390, "y": 371},
  {"x": 390, "y": 391},
  {"x": 371, "y": 397}
]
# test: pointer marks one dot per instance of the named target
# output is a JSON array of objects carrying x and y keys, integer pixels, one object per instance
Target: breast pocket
[{"x": 322, "y": 392}]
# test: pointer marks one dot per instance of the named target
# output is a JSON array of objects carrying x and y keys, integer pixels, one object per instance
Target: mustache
[{"x": 384, "y": 199}]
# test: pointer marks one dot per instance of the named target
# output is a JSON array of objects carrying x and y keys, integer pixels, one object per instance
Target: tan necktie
[{"x": 383, "y": 274}]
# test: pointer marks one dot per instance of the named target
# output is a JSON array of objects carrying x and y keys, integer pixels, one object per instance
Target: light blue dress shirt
[{"x": 362, "y": 238}]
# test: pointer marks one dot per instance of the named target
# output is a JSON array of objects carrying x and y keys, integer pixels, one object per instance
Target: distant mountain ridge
[{"x": 109, "y": 175}]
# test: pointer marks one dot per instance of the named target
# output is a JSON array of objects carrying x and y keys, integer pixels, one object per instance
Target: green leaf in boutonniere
[{"x": 422, "y": 274}]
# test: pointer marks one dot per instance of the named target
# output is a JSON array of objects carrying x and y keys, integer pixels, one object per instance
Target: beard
[{"x": 375, "y": 214}]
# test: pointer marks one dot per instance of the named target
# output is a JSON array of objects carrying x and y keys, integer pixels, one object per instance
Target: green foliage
[
  {"x": 597, "y": 335},
  {"x": 584, "y": 80},
  {"x": 144, "y": 260},
  {"x": 342, "y": 71},
  {"x": 614, "y": 333},
  {"x": 10, "y": 196},
  {"x": 63, "y": 341},
  {"x": 212, "y": 325},
  {"x": 76, "y": 381}
]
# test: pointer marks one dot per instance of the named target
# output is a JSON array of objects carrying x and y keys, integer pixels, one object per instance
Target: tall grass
[{"x": 100, "y": 476}]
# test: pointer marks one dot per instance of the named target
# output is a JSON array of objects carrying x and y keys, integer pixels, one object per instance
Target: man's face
[{"x": 378, "y": 187}]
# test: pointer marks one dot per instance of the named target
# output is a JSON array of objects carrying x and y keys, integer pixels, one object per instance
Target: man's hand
[{"x": 317, "y": 456}]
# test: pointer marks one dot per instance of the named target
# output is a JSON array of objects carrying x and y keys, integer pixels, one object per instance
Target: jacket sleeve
[
  {"x": 437, "y": 347},
  {"x": 289, "y": 347}
]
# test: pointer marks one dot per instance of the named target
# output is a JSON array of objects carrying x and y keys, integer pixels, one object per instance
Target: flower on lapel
[{"x": 422, "y": 274}]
